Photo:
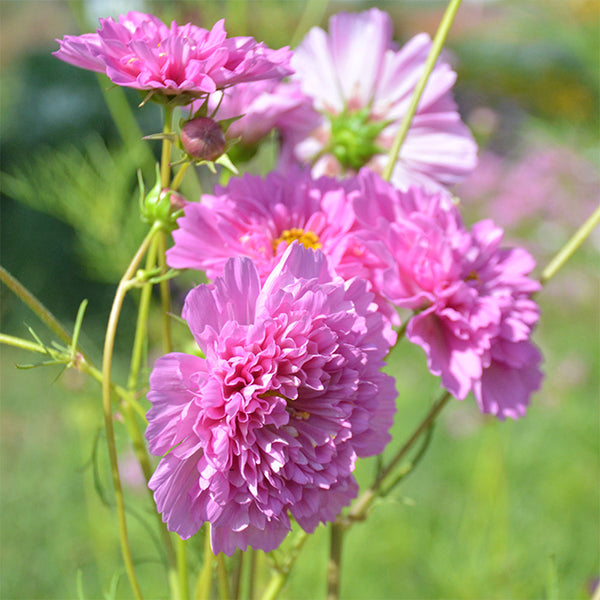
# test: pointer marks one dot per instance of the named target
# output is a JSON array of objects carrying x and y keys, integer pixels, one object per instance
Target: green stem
[
  {"x": 280, "y": 576},
  {"x": 35, "y": 305},
  {"x": 165, "y": 294},
  {"x": 80, "y": 363},
  {"x": 313, "y": 13},
  {"x": 236, "y": 573},
  {"x": 276, "y": 583},
  {"x": 565, "y": 253},
  {"x": 142, "y": 321},
  {"x": 364, "y": 501},
  {"x": 179, "y": 176},
  {"x": 10, "y": 340},
  {"x": 165, "y": 157},
  {"x": 204, "y": 585},
  {"x": 222, "y": 582},
  {"x": 248, "y": 574},
  {"x": 334, "y": 566},
  {"x": 182, "y": 570},
  {"x": 107, "y": 356},
  {"x": 436, "y": 48}
]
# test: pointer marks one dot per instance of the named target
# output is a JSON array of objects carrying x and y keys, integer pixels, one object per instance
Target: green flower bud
[{"x": 160, "y": 204}]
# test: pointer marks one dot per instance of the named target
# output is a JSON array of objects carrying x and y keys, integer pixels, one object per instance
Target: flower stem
[
  {"x": 436, "y": 48},
  {"x": 204, "y": 585},
  {"x": 281, "y": 574},
  {"x": 107, "y": 356},
  {"x": 182, "y": 570},
  {"x": 179, "y": 176},
  {"x": 35, "y": 305},
  {"x": 334, "y": 566},
  {"x": 565, "y": 253},
  {"x": 142, "y": 321},
  {"x": 10, "y": 340},
  {"x": 222, "y": 583},
  {"x": 80, "y": 363},
  {"x": 165, "y": 293},
  {"x": 165, "y": 157},
  {"x": 360, "y": 507}
]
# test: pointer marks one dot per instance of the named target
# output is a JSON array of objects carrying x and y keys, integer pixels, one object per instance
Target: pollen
[{"x": 308, "y": 238}]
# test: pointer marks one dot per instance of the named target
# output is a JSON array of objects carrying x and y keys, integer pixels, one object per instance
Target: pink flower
[
  {"x": 141, "y": 52},
  {"x": 272, "y": 420},
  {"x": 474, "y": 313},
  {"x": 358, "y": 89},
  {"x": 259, "y": 218}
]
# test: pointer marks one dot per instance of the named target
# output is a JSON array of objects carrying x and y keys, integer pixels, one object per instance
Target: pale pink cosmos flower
[
  {"x": 271, "y": 422},
  {"x": 474, "y": 314},
  {"x": 358, "y": 88},
  {"x": 259, "y": 217},
  {"x": 140, "y": 51}
]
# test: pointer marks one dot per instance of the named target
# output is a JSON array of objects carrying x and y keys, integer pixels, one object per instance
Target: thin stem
[
  {"x": 204, "y": 585},
  {"x": 222, "y": 582},
  {"x": 565, "y": 253},
  {"x": 11, "y": 340},
  {"x": 79, "y": 363},
  {"x": 360, "y": 507},
  {"x": 248, "y": 574},
  {"x": 179, "y": 176},
  {"x": 35, "y": 305},
  {"x": 280, "y": 576},
  {"x": 109, "y": 342},
  {"x": 334, "y": 566},
  {"x": 165, "y": 157},
  {"x": 142, "y": 321},
  {"x": 182, "y": 570},
  {"x": 436, "y": 48},
  {"x": 165, "y": 294},
  {"x": 276, "y": 583},
  {"x": 314, "y": 10},
  {"x": 236, "y": 573}
]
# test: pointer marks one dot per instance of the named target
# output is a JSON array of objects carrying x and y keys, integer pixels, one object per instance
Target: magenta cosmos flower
[
  {"x": 474, "y": 313},
  {"x": 259, "y": 218},
  {"x": 270, "y": 423},
  {"x": 358, "y": 88},
  {"x": 141, "y": 52}
]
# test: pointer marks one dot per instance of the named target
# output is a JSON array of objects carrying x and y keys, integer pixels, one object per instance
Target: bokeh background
[{"x": 495, "y": 510}]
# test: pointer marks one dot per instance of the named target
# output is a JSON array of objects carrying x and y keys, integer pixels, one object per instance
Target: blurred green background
[{"x": 496, "y": 510}]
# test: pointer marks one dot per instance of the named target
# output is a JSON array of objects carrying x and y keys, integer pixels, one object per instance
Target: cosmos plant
[{"x": 313, "y": 274}]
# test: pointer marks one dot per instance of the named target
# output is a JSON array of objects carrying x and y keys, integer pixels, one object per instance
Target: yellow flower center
[{"x": 309, "y": 238}]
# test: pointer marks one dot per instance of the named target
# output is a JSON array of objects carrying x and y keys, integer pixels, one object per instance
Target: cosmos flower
[
  {"x": 259, "y": 218},
  {"x": 271, "y": 422},
  {"x": 141, "y": 52},
  {"x": 358, "y": 88},
  {"x": 474, "y": 314}
]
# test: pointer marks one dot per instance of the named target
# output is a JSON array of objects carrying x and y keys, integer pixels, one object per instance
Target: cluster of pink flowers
[{"x": 309, "y": 265}]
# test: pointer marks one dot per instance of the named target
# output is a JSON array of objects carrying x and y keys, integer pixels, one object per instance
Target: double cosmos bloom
[{"x": 309, "y": 266}]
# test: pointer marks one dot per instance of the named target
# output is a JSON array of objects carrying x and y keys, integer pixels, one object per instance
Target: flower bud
[
  {"x": 203, "y": 138},
  {"x": 160, "y": 204}
]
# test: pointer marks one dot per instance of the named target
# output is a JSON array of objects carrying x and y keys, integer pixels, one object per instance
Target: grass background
[{"x": 506, "y": 510}]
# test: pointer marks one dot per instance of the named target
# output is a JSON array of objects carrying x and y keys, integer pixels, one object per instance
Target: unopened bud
[
  {"x": 160, "y": 204},
  {"x": 203, "y": 138}
]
